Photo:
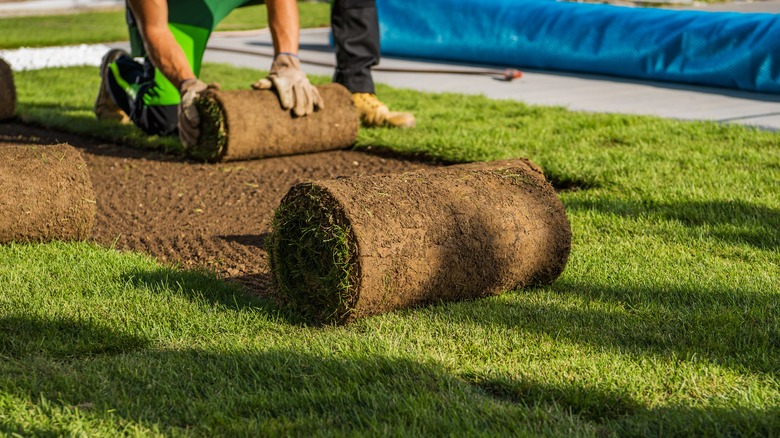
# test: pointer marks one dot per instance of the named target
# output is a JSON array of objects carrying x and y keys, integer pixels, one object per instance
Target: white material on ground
[
  {"x": 46, "y": 57},
  {"x": 46, "y": 7}
]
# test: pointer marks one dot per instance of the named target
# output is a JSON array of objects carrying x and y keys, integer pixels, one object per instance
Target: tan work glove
[
  {"x": 189, "y": 119},
  {"x": 291, "y": 84}
]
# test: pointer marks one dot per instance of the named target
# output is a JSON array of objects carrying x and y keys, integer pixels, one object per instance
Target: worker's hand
[
  {"x": 291, "y": 84},
  {"x": 189, "y": 119}
]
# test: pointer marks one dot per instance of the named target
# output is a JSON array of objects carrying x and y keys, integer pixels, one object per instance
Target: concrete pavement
[
  {"x": 579, "y": 92},
  {"x": 767, "y": 6}
]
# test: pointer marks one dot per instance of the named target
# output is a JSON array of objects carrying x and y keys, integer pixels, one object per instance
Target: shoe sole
[{"x": 107, "y": 60}]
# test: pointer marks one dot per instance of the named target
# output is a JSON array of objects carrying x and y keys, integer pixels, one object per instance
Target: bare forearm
[
  {"x": 166, "y": 54},
  {"x": 284, "y": 24},
  {"x": 161, "y": 47}
]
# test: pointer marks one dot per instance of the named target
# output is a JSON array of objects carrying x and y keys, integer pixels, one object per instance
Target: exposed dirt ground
[{"x": 214, "y": 216}]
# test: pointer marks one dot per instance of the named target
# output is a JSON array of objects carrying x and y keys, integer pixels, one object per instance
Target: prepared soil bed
[
  {"x": 247, "y": 124},
  {"x": 213, "y": 216},
  {"x": 352, "y": 247},
  {"x": 7, "y": 91},
  {"x": 45, "y": 194}
]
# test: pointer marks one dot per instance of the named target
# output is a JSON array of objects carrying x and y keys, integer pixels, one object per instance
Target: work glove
[
  {"x": 189, "y": 119},
  {"x": 291, "y": 84}
]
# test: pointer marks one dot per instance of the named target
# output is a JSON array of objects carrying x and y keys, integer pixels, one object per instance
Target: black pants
[
  {"x": 159, "y": 119},
  {"x": 355, "y": 27}
]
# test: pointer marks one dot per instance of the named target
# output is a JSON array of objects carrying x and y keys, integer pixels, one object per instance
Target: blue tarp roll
[{"x": 725, "y": 49}]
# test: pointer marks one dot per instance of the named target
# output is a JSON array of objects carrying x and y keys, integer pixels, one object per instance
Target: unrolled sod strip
[
  {"x": 347, "y": 248},
  {"x": 7, "y": 91},
  {"x": 249, "y": 124},
  {"x": 45, "y": 194}
]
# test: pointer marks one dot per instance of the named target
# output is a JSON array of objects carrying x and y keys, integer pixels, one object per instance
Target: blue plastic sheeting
[{"x": 725, "y": 49}]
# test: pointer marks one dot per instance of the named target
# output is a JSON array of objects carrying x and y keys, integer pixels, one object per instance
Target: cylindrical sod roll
[
  {"x": 45, "y": 194},
  {"x": 7, "y": 91},
  {"x": 352, "y": 247},
  {"x": 249, "y": 124}
]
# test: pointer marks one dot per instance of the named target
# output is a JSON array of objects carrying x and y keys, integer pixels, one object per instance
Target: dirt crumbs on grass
[{"x": 214, "y": 216}]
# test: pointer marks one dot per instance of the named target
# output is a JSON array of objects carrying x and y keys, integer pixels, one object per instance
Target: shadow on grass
[
  {"x": 562, "y": 181},
  {"x": 62, "y": 338},
  {"x": 195, "y": 285},
  {"x": 739, "y": 329},
  {"x": 591, "y": 404},
  {"x": 201, "y": 286},
  {"x": 283, "y": 391},
  {"x": 736, "y": 222},
  {"x": 9, "y": 429},
  {"x": 702, "y": 422},
  {"x": 274, "y": 391},
  {"x": 616, "y": 412}
]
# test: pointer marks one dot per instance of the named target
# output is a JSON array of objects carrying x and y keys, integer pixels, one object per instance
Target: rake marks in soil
[{"x": 212, "y": 216}]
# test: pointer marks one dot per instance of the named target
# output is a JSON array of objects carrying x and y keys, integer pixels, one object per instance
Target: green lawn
[
  {"x": 101, "y": 27},
  {"x": 665, "y": 322}
]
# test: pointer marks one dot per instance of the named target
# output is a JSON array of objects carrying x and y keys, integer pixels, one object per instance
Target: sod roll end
[
  {"x": 250, "y": 124},
  {"x": 7, "y": 91},
  {"x": 353, "y": 247},
  {"x": 45, "y": 194}
]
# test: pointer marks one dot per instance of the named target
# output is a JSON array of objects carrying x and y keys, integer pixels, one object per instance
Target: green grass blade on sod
[{"x": 665, "y": 322}]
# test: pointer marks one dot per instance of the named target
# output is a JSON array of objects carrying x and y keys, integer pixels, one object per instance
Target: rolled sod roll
[
  {"x": 249, "y": 124},
  {"x": 7, "y": 91},
  {"x": 45, "y": 194},
  {"x": 352, "y": 247}
]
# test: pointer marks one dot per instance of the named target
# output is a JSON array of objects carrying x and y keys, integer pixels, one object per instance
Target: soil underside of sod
[
  {"x": 45, "y": 194},
  {"x": 213, "y": 216}
]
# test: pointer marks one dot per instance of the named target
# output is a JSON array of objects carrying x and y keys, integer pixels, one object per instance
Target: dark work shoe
[{"x": 105, "y": 107}]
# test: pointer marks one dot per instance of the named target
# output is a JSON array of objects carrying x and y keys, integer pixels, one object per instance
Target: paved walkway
[
  {"x": 768, "y": 6},
  {"x": 581, "y": 92}
]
